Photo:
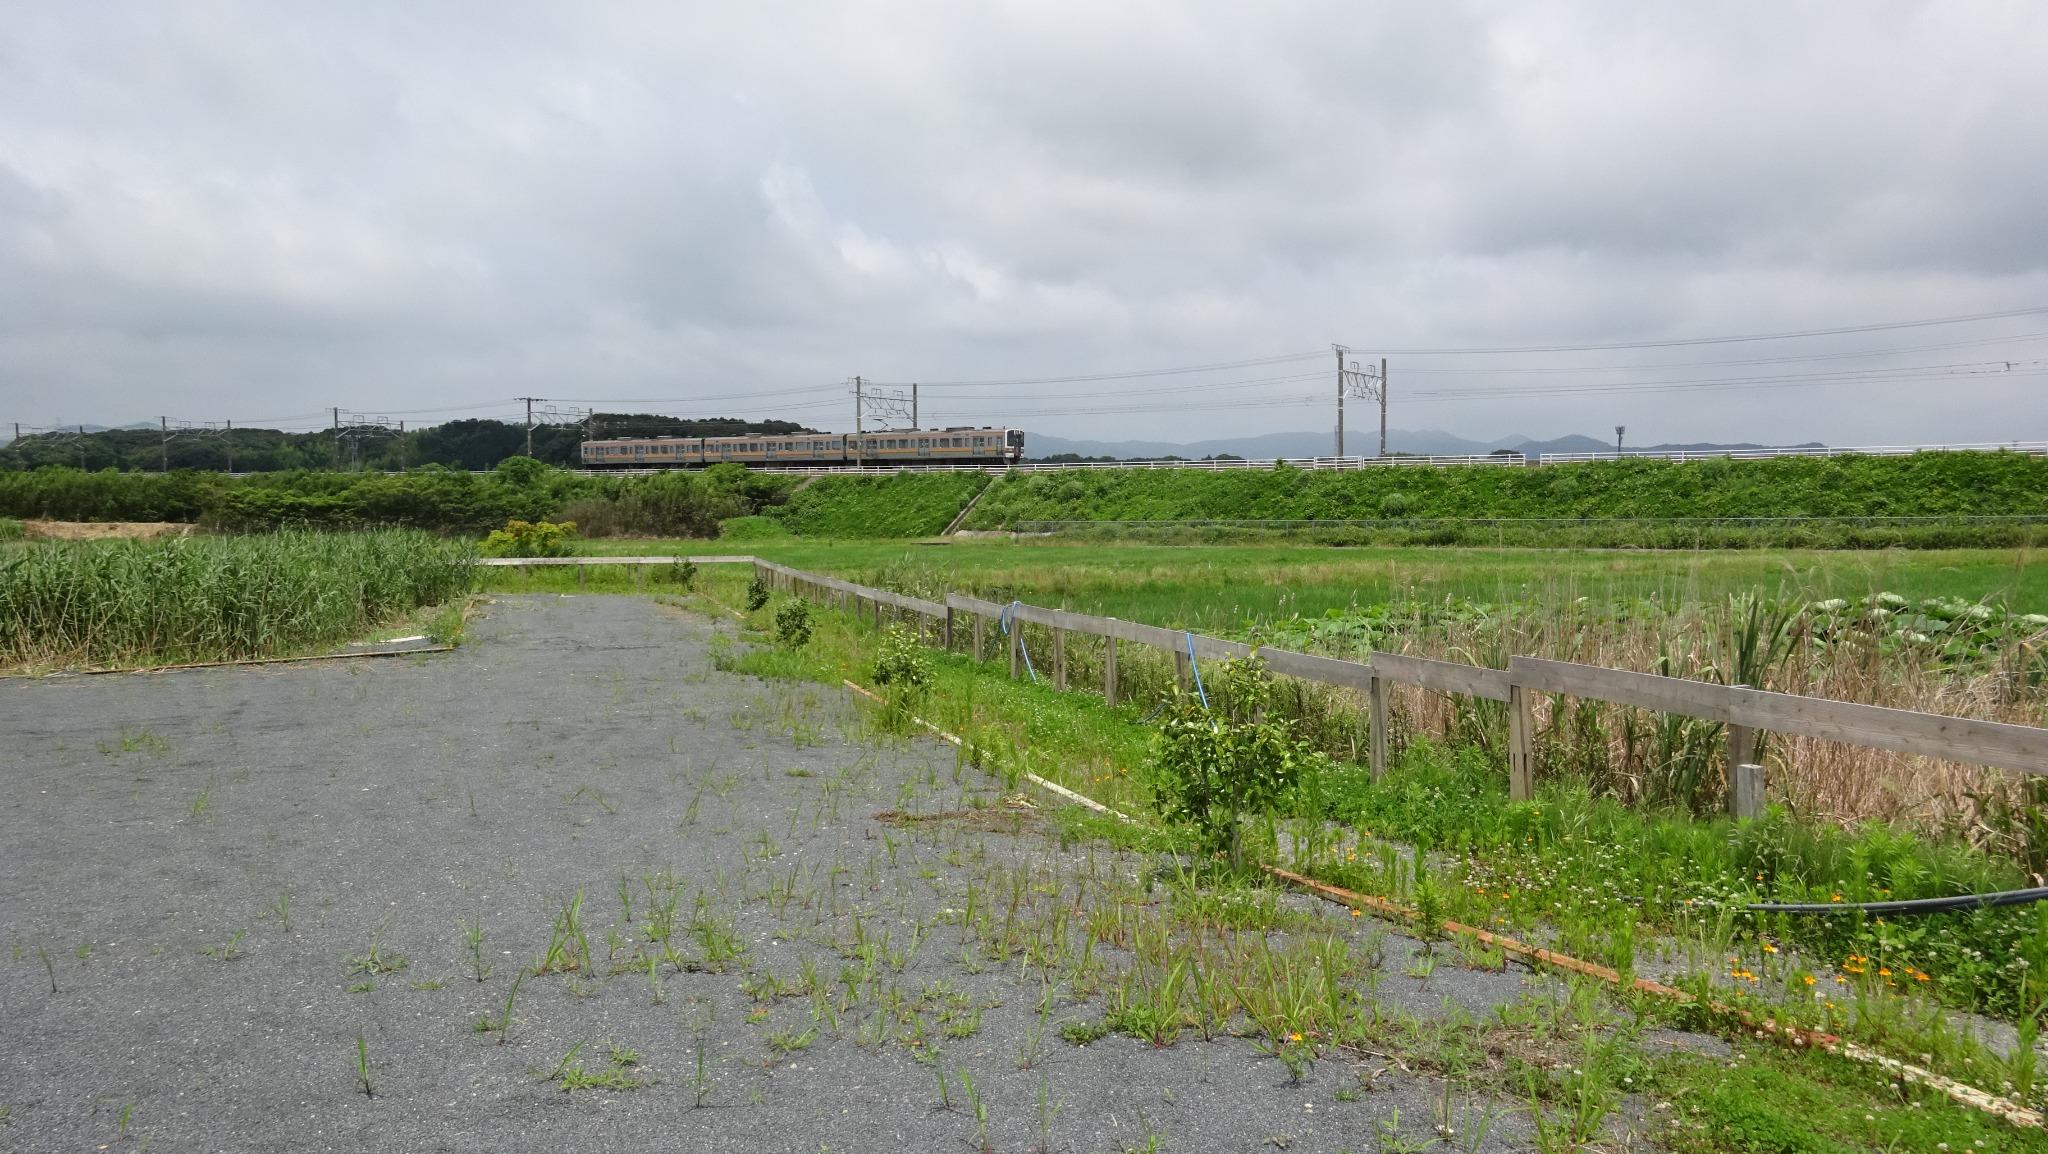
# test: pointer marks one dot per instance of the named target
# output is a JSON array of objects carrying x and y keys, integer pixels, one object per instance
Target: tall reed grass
[{"x": 216, "y": 598}]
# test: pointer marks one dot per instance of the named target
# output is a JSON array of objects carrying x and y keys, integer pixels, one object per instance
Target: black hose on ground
[{"x": 1916, "y": 906}]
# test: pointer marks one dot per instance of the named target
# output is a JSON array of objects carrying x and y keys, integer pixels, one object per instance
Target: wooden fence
[{"x": 1746, "y": 712}]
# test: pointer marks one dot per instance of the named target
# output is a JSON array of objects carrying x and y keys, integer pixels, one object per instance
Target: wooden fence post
[
  {"x": 580, "y": 571},
  {"x": 946, "y": 631},
  {"x": 1109, "y": 673},
  {"x": 980, "y": 651},
  {"x": 1059, "y": 659},
  {"x": 1378, "y": 736},
  {"x": 1181, "y": 670},
  {"x": 1016, "y": 636},
  {"x": 1745, "y": 776},
  {"x": 1521, "y": 726}
]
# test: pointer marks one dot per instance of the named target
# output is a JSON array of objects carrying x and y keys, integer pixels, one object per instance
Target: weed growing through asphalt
[
  {"x": 376, "y": 959},
  {"x": 502, "y": 1025},
  {"x": 362, "y": 1066},
  {"x": 281, "y": 909},
  {"x": 473, "y": 941},
  {"x": 226, "y": 951},
  {"x": 48, "y": 967}
]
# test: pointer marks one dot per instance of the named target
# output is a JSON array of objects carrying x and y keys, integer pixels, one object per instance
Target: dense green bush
[
  {"x": 530, "y": 539},
  {"x": 432, "y": 497},
  {"x": 904, "y": 505},
  {"x": 1920, "y": 485}
]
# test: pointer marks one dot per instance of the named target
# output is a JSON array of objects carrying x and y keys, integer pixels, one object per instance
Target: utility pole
[
  {"x": 529, "y": 423},
  {"x": 163, "y": 425},
  {"x": 231, "y": 448},
  {"x": 913, "y": 406},
  {"x": 1618, "y": 431},
  {"x": 1340, "y": 398},
  {"x": 859, "y": 449},
  {"x": 1383, "y": 407}
]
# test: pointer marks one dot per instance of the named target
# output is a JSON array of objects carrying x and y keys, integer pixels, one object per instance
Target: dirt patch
[
  {"x": 103, "y": 530},
  {"x": 1013, "y": 816}
]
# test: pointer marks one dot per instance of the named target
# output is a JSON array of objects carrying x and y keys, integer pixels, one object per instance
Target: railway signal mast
[{"x": 1362, "y": 384}]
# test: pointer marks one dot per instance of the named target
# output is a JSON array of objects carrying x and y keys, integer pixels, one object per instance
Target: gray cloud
[{"x": 252, "y": 210}]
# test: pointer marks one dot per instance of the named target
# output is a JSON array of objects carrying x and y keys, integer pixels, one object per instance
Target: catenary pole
[
  {"x": 1340, "y": 398},
  {"x": 1383, "y": 406}
]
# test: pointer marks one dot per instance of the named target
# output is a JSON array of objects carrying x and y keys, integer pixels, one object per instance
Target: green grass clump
[
  {"x": 217, "y": 598},
  {"x": 751, "y": 528},
  {"x": 11, "y": 529},
  {"x": 1923, "y": 484},
  {"x": 1573, "y": 858},
  {"x": 904, "y": 505}
]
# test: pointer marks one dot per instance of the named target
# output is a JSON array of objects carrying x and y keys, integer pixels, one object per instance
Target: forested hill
[{"x": 470, "y": 444}]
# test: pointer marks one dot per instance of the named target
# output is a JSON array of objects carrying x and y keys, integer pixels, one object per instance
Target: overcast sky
[{"x": 260, "y": 210}]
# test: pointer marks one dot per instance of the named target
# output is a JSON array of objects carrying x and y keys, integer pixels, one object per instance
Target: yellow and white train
[{"x": 993, "y": 446}]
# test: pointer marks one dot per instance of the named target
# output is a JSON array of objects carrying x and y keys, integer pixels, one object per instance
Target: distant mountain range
[{"x": 1424, "y": 442}]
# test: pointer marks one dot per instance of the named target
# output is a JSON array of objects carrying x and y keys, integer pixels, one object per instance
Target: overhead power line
[{"x": 1678, "y": 342}]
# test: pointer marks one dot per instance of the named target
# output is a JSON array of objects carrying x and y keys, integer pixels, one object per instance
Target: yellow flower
[
  {"x": 1294, "y": 1037},
  {"x": 1808, "y": 979},
  {"x": 1769, "y": 948}
]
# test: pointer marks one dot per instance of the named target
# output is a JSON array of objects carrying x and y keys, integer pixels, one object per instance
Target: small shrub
[
  {"x": 903, "y": 666},
  {"x": 757, "y": 595},
  {"x": 683, "y": 574},
  {"x": 11, "y": 529},
  {"x": 793, "y": 624},
  {"x": 530, "y": 538},
  {"x": 1212, "y": 764}
]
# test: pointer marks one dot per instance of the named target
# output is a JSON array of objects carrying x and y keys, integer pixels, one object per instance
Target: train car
[{"x": 989, "y": 446}]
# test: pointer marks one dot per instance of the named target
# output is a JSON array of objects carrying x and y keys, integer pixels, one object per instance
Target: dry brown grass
[{"x": 102, "y": 530}]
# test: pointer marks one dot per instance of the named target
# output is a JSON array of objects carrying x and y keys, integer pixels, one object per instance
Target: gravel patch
[{"x": 156, "y": 821}]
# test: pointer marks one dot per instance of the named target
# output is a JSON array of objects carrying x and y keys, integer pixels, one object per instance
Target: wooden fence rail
[{"x": 1745, "y": 711}]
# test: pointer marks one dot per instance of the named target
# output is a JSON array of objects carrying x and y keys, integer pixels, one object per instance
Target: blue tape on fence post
[
  {"x": 1197, "y": 668},
  {"x": 1003, "y": 619}
]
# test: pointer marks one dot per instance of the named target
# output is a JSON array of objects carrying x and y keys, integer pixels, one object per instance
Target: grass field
[{"x": 1223, "y": 585}]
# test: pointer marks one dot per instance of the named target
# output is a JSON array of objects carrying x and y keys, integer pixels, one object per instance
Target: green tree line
[
  {"x": 467, "y": 444},
  {"x": 432, "y": 497}
]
